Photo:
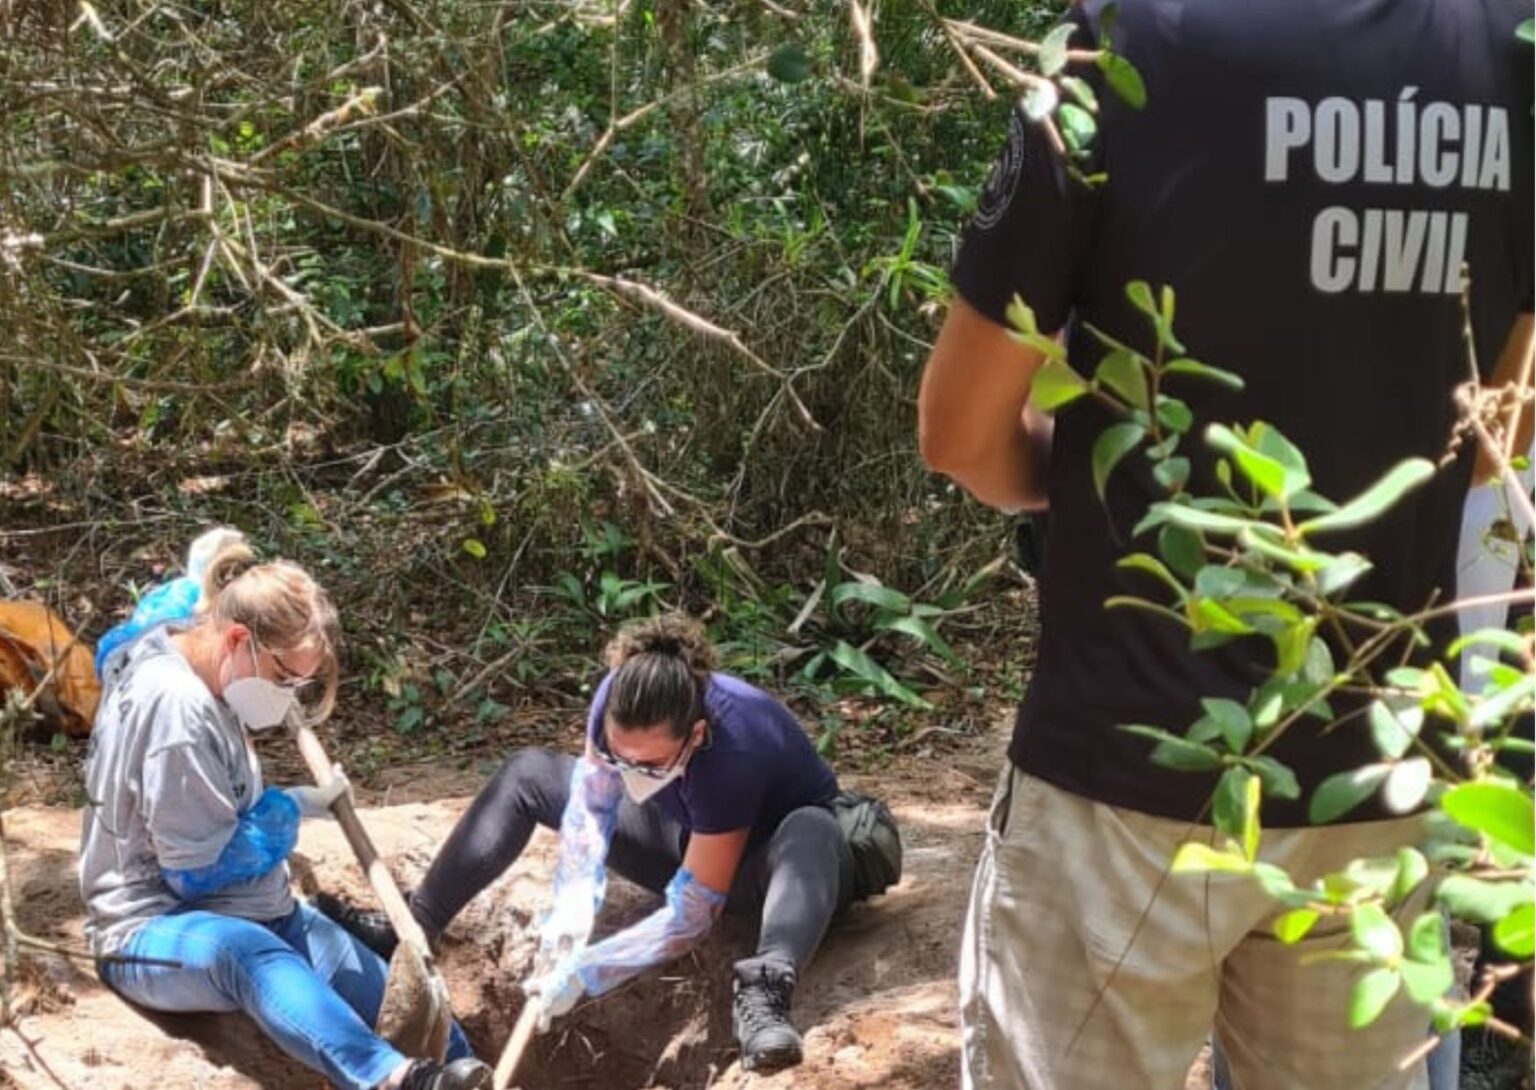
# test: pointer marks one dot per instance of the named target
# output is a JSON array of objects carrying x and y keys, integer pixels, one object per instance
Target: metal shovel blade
[{"x": 415, "y": 1015}]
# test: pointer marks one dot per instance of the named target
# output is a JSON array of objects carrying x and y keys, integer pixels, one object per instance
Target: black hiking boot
[
  {"x": 373, "y": 928},
  {"x": 466, "y": 1074},
  {"x": 760, "y": 1015}
]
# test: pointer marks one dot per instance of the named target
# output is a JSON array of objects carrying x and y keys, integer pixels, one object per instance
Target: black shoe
[
  {"x": 760, "y": 1015},
  {"x": 466, "y": 1074},
  {"x": 373, "y": 928}
]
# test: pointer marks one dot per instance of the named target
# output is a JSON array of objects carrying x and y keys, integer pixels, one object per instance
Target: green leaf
[
  {"x": 1123, "y": 79},
  {"x": 1055, "y": 384},
  {"x": 1291, "y": 644},
  {"x": 1277, "y": 884},
  {"x": 1500, "y": 811},
  {"x": 1482, "y": 901},
  {"x": 924, "y": 633},
  {"x": 1412, "y": 868},
  {"x": 1154, "y": 567},
  {"x": 1217, "y": 581},
  {"x": 1516, "y": 932},
  {"x": 1426, "y": 937},
  {"x": 1269, "y": 441},
  {"x": 1186, "y": 366},
  {"x": 1081, "y": 90},
  {"x": 1406, "y": 785},
  {"x": 1526, "y": 31},
  {"x": 1053, "y": 50},
  {"x": 789, "y": 64},
  {"x": 867, "y": 670},
  {"x": 1501, "y": 639},
  {"x": 1194, "y": 518},
  {"x": 1343, "y": 791},
  {"x": 1077, "y": 126},
  {"x": 1265, "y": 457},
  {"x": 1253, "y": 799},
  {"x": 1318, "y": 667},
  {"x": 1193, "y": 857},
  {"x": 1395, "y": 723},
  {"x": 473, "y": 547},
  {"x": 1174, "y": 414},
  {"x": 1212, "y": 616},
  {"x": 1503, "y": 704},
  {"x": 1279, "y": 781},
  {"x": 1021, "y": 316},
  {"x": 1182, "y": 548},
  {"x": 1173, "y": 473},
  {"x": 1228, "y": 806},
  {"x": 1112, "y": 445},
  {"x": 1139, "y": 292},
  {"x": 1175, "y": 752},
  {"x": 1371, "y": 994},
  {"x": 1123, "y": 373},
  {"x": 1375, "y": 932},
  {"x": 1426, "y": 982},
  {"x": 1398, "y": 481},
  {"x": 1261, "y": 538},
  {"x": 1293, "y": 926},
  {"x": 1232, "y": 718},
  {"x": 870, "y": 593},
  {"x": 1341, "y": 572}
]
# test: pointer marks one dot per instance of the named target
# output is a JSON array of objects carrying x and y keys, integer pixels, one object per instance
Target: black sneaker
[
  {"x": 760, "y": 1015},
  {"x": 466, "y": 1074},
  {"x": 373, "y": 928}
]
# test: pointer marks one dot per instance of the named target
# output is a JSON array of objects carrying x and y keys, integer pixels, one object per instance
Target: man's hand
[{"x": 556, "y": 992}]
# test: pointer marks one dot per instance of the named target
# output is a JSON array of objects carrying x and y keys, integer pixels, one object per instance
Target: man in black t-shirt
[{"x": 1310, "y": 177}]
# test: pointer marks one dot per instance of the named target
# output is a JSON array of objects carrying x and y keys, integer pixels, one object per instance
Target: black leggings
[{"x": 800, "y": 877}]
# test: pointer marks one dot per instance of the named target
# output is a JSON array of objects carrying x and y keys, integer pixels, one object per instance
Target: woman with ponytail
[
  {"x": 695, "y": 785},
  {"x": 183, "y": 853}
]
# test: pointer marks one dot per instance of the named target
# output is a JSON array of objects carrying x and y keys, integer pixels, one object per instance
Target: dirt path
[{"x": 879, "y": 1001}]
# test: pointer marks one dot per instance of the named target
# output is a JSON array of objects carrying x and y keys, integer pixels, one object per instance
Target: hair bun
[{"x": 673, "y": 634}]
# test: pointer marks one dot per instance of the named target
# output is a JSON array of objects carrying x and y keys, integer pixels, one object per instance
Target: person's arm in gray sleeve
[{"x": 202, "y": 841}]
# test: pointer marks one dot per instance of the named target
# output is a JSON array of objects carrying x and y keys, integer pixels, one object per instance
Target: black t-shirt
[{"x": 1271, "y": 182}]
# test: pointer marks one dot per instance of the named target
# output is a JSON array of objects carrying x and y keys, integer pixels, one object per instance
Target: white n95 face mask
[
  {"x": 641, "y": 787},
  {"x": 259, "y": 704}
]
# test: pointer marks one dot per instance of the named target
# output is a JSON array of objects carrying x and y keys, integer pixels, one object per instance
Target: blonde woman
[{"x": 182, "y": 858}]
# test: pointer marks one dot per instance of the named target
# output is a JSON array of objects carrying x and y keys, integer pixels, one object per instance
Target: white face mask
[
  {"x": 641, "y": 787},
  {"x": 258, "y": 703}
]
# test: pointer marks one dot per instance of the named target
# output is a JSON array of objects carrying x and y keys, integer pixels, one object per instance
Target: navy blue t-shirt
[{"x": 755, "y": 767}]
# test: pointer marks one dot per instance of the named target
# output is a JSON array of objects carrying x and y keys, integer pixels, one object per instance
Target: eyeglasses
[
  {"x": 287, "y": 677},
  {"x": 648, "y": 770}
]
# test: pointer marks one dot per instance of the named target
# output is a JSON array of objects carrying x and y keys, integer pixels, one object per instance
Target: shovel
[
  {"x": 506, "y": 1067},
  {"x": 415, "y": 1014}
]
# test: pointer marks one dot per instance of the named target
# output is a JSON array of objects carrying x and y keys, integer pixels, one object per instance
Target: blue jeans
[{"x": 312, "y": 987}]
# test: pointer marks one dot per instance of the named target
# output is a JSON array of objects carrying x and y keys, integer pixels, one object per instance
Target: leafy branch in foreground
[{"x": 1243, "y": 561}]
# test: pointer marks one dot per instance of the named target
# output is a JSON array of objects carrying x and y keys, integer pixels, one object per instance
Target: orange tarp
[{"x": 33, "y": 642}]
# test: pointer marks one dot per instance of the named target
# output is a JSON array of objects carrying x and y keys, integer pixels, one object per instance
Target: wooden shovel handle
[
  {"x": 383, "y": 883},
  {"x": 506, "y": 1067}
]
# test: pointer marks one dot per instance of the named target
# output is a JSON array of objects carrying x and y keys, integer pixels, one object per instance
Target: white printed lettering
[{"x": 1333, "y": 229}]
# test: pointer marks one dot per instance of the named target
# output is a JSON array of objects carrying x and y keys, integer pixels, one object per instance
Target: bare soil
[{"x": 878, "y": 1005}]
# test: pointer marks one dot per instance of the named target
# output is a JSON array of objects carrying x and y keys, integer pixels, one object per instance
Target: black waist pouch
[{"x": 872, "y": 836}]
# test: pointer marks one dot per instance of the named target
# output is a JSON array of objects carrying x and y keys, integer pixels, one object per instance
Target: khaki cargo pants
[{"x": 1069, "y": 981}]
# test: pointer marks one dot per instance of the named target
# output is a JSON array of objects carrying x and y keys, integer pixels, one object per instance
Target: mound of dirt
[{"x": 878, "y": 1005}]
